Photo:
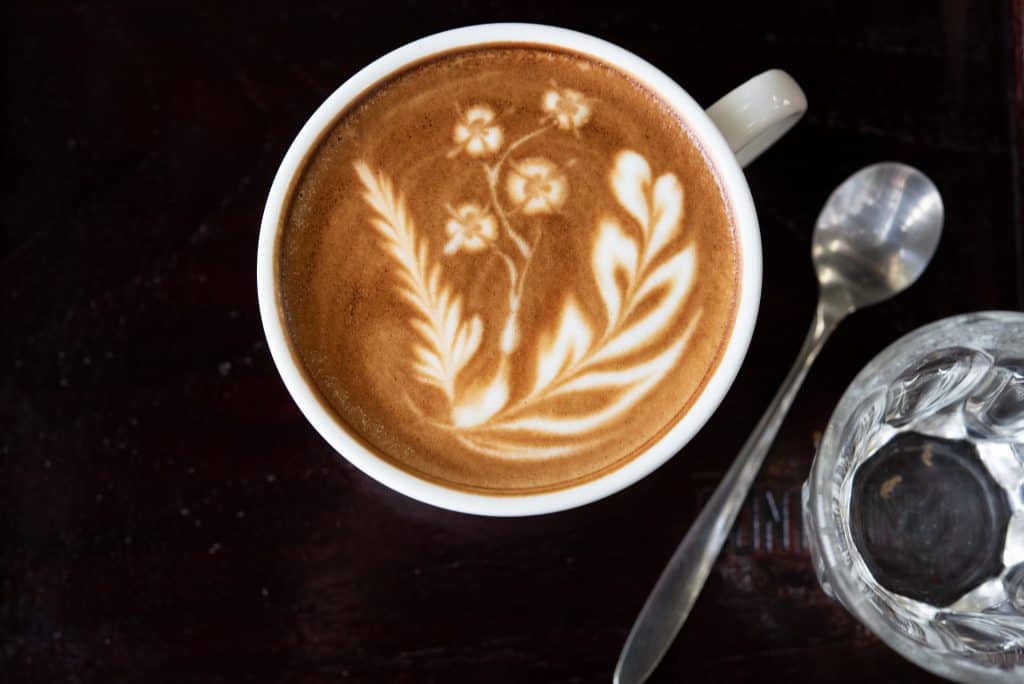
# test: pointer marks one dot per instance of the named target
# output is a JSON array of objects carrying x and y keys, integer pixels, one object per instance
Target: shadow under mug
[{"x": 731, "y": 133}]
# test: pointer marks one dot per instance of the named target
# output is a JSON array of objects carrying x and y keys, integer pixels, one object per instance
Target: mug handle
[{"x": 759, "y": 112}]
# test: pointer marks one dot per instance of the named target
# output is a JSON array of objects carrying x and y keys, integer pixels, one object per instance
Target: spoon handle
[{"x": 684, "y": 576}]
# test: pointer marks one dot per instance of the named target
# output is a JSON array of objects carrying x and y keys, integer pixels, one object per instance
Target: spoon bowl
[{"x": 876, "y": 234}]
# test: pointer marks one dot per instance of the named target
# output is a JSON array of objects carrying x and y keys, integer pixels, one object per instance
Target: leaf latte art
[
  {"x": 630, "y": 269},
  {"x": 509, "y": 269}
]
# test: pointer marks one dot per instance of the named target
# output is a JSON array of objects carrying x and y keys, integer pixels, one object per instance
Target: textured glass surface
[{"x": 960, "y": 378}]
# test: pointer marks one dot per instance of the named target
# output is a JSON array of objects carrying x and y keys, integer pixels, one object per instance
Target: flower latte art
[
  {"x": 572, "y": 357},
  {"x": 508, "y": 269}
]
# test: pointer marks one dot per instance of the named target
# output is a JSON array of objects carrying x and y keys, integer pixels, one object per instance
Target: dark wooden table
[{"x": 166, "y": 514}]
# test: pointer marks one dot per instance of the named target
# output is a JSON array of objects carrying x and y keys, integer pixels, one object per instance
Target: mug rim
[{"x": 736, "y": 195}]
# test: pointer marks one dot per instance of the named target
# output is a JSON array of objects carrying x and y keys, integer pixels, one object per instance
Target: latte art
[
  {"x": 629, "y": 269},
  {"x": 503, "y": 279}
]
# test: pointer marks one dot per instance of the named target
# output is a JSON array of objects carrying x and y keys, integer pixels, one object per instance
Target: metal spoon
[{"x": 873, "y": 239}]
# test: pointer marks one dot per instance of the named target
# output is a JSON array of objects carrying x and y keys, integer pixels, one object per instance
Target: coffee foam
[{"x": 508, "y": 269}]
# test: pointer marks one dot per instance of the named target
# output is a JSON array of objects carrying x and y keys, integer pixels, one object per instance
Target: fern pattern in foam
[{"x": 643, "y": 284}]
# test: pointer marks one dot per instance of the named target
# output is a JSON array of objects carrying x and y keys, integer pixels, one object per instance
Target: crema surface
[{"x": 508, "y": 269}]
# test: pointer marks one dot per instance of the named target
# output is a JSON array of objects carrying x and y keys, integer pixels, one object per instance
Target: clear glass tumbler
[{"x": 915, "y": 503}]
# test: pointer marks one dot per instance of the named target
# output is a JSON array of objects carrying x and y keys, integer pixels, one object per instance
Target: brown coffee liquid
[{"x": 508, "y": 269}]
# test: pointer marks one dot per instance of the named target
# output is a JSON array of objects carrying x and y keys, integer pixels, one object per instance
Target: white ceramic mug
[{"x": 732, "y": 133}]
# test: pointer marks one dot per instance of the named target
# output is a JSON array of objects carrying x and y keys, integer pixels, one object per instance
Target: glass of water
[{"x": 915, "y": 503}]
